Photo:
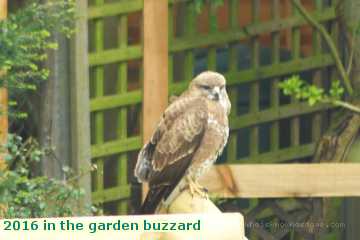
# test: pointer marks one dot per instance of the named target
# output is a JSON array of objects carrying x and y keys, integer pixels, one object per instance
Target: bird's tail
[
  {"x": 161, "y": 191},
  {"x": 153, "y": 198}
]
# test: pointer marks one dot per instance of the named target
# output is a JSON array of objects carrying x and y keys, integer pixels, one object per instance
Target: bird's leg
[
  {"x": 203, "y": 189},
  {"x": 196, "y": 188},
  {"x": 191, "y": 186},
  {"x": 203, "y": 192}
]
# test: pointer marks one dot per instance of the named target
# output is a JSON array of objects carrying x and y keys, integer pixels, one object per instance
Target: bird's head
[{"x": 211, "y": 85}]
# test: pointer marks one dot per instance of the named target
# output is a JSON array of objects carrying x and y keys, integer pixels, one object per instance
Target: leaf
[{"x": 66, "y": 169}]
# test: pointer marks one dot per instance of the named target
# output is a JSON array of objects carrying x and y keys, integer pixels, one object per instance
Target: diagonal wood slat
[{"x": 284, "y": 180}]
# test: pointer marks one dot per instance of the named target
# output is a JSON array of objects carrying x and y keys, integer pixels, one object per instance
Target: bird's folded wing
[{"x": 182, "y": 134}]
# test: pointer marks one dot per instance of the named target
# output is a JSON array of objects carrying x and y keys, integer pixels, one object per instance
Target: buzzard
[{"x": 190, "y": 136}]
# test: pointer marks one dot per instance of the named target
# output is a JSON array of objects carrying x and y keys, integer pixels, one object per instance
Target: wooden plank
[
  {"x": 211, "y": 59},
  {"x": 155, "y": 87},
  {"x": 53, "y": 106},
  {"x": 112, "y": 194},
  {"x": 122, "y": 123},
  {"x": 233, "y": 91},
  {"x": 352, "y": 205},
  {"x": 189, "y": 31},
  {"x": 285, "y": 111},
  {"x": 99, "y": 73},
  {"x": 213, "y": 29},
  {"x": 209, "y": 226},
  {"x": 102, "y": 57},
  {"x": 114, "y": 147},
  {"x": 255, "y": 86},
  {"x": 274, "y": 89},
  {"x": 115, "y": 101},
  {"x": 284, "y": 180},
  {"x": 281, "y": 155},
  {"x": 3, "y": 97},
  {"x": 114, "y": 9},
  {"x": 296, "y": 54},
  {"x": 269, "y": 71},
  {"x": 3, "y": 9},
  {"x": 171, "y": 21},
  {"x": 195, "y": 41},
  {"x": 80, "y": 107},
  {"x": 155, "y": 92},
  {"x": 4, "y": 124}
]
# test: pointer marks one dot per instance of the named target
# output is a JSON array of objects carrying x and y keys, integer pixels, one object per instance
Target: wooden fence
[
  {"x": 142, "y": 52},
  {"x": 111, "y": 98}
]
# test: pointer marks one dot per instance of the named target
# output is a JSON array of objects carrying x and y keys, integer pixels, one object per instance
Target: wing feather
[
  {"x": 174, "y": 136},
  {"x": 182, "y": 138},
  {"x": 169, "y": 152}
]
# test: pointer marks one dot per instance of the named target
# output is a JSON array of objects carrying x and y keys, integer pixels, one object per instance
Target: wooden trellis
[
  {"x": 113, "y": 98},
  {"x": 254, "y": 75},
  {"x": 255, "y": 44}
]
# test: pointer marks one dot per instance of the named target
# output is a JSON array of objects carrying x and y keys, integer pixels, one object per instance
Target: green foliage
[
  {"x": 28, "y": 196},
  {"x": 24, "y": 39},
  {"x": 301, "y": 90}
]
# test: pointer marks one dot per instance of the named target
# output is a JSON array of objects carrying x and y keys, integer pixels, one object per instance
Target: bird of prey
[{"x": 189, "y": 138}]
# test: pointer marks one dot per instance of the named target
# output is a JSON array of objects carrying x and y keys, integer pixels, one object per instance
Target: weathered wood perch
[
  {"x": 184, "y": 202},
  {"x": 284, "y": 180}
]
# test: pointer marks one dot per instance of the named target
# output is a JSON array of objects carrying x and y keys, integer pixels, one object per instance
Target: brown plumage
[{"x": 188, "y": 139}]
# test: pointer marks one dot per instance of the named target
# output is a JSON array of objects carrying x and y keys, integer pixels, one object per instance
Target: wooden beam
[
  {"x": 4, "y": 124},
  {"x": 3, "y": 9},
  {"x": 155, "y": 86},
  {"x": 53, "y": 110},
  {"x": 155, "y": 89},
  {"x": 80, "y": 102},
  {"x": 284, "y": 180}
]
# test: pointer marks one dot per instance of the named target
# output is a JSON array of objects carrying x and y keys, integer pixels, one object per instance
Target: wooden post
[
  {"x": 3, "y": 9},
  {"x": 351, "y": 206},
  {"x": 3, "y": 98},
  {"x": 80, "y": 101},
  {"x": 155, "y": 87},
  {"x": 3, "y": 107},
  {"x": 53, "y": 110}
]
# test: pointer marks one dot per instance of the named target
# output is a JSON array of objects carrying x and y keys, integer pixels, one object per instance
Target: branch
[
  {"x": 330, "y": 43},
  {"x": 346, "y": 105},
  {"x": 352, "y": 49},
  {"x": 348, "y": 71}
]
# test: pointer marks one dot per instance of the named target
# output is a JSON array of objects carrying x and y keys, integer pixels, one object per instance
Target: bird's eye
[{"x": 205, "y": 87}]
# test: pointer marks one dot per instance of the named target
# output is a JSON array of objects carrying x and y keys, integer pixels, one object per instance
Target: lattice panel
[
  {"x": 256, "y": 44},
  {"x": 115, "y": 57}
]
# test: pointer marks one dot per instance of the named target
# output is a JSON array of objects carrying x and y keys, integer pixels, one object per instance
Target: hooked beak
[{"x": 216, "y": 93}]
